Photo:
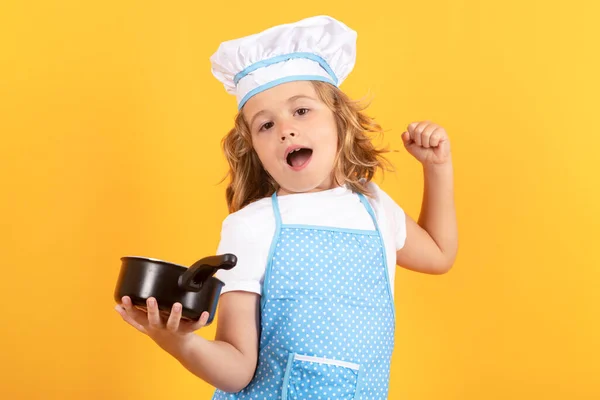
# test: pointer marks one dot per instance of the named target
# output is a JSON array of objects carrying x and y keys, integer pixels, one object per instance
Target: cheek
[
  {"x": 332, "y": 137},
  {"x": 326, "y": 129},
  {"x": 264, "y": 149}
]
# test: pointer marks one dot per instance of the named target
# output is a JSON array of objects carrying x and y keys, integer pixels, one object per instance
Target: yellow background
[{"x": 111, "y": 122}]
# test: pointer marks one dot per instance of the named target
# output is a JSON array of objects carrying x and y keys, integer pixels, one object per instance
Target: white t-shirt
[{"x": 248, "y": 233}]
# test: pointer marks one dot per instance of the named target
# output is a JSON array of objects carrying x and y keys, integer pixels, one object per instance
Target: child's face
[{"x": 291, "y": 117}]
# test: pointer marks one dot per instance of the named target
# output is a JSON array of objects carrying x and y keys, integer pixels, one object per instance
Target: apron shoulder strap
[
  {"x": 275, "y": 203},
  {"x": 369, "y": 208}
]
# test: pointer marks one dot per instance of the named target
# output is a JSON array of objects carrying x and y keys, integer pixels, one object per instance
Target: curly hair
[{"x": 356, "y": 161}]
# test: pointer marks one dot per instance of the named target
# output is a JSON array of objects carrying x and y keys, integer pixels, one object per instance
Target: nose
[{"x": 287, "y": 131}]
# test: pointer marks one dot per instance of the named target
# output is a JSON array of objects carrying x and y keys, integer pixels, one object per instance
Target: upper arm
[
  {"x": 415, "y": 248},
  {"x": 420, "y": 252},
  {"x": 239, "y": 323}
]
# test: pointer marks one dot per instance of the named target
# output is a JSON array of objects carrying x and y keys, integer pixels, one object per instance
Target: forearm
[
  {"x": 216, "y": 362},
  {"x": 438, "y": 215}
]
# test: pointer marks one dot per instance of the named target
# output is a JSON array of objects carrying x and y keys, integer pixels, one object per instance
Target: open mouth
[{"x": 299, "y": 157}]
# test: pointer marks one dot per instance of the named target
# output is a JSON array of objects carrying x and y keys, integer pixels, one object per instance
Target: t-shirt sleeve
[
  {"x": 238, "y": 239},
  {"x": 400, "y": 223},
  {"x": 397, "y": 216}
]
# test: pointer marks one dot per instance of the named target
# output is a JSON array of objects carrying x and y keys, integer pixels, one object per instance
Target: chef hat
[{"x": 318, "y": 48}]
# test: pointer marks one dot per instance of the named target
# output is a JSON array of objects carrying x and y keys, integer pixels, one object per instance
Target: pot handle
[{"x": 195, "y": 276}]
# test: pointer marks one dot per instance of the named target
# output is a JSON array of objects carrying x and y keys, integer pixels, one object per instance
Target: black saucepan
[{"x": 195, "y": 287}]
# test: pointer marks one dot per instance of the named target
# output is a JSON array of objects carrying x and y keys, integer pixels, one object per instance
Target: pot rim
[{"x": 155, "y": 260}]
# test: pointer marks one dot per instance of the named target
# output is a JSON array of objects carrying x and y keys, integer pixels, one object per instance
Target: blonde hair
[{"x": 355, "y": 163}]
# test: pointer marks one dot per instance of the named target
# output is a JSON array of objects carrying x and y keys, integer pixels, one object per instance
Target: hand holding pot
[
  {"x": 167, "y": 301},
  {"x": 165, "y": 331}
]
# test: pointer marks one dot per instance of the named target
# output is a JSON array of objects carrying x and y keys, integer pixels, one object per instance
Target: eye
[
  {"x": 266, "y": 126},
  {"x": 302, "y": 111}
]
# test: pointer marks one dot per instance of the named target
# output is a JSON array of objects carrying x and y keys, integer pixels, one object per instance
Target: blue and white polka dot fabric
[{"x": 327, "y": 316}]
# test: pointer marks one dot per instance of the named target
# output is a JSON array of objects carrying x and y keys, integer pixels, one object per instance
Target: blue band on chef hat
[
  {"x": 285, "y": 57},
  {"x": 279, "y": 81}
]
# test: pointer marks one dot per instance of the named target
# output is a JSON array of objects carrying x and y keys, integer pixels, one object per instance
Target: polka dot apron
[{"x": 327, "y": 315}]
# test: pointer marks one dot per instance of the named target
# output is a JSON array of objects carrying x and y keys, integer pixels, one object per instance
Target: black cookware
[{"x": 195, "y": 287}]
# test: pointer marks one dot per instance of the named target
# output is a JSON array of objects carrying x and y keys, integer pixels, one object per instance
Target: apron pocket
[{"x": 321, "y": 378}]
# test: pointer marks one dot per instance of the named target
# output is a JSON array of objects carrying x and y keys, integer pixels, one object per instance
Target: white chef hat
[{"x": 317, "y": 48}]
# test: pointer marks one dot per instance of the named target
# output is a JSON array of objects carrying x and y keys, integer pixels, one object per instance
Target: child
[{"x": 308, "y": 310}]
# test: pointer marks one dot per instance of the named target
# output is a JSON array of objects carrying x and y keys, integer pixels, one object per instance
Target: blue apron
[{"x": 327, "y": 315}]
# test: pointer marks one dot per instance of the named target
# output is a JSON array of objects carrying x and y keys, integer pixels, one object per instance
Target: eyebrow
[{"x": 290, "y": 100}]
